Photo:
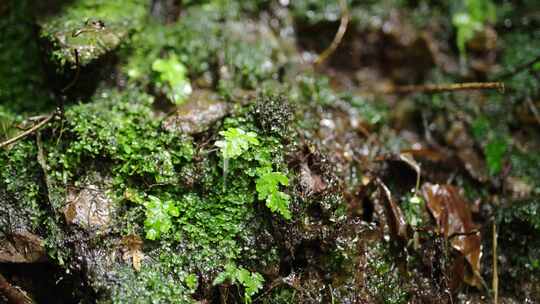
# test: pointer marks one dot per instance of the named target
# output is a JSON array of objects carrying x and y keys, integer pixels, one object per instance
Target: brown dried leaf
[
  {"x": 454, "y": 221},
  {"x": 396, "y": 219},
  {"x": 408, "y": 158},
  {"x": 132, "y": 245}
]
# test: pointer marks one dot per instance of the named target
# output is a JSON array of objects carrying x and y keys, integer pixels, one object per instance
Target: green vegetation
[
  {"x": 470, "y": 18},
  {"x": 236, "y": 142},
  {"x": 92, "y": 28},
  {"x": 172, "y": 79},
  {"x": 278, "y": 198},
  {"x": 22, "y": 88},
  {"x": 267, "y": 187},
  {"x": 252, "y": 282}
]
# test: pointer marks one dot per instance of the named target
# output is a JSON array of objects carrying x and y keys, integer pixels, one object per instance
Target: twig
[
  {"x": 495, "y": 281},
  {"x": 27, "y": 132},
  {"x": 77, "y": 72},
  {"x": 437, "y": 88},
  {"x": 339, "y": 34},
  {"x": 13, "y": 294}
]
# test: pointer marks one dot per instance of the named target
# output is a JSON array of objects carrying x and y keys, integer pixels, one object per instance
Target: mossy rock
[{"x": 89, "y": 29}]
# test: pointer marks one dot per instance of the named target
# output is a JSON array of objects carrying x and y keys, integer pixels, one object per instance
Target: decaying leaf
[
  {"x": 131, "y": 247},
  {"x": 454, "y": 221},
  {"x": 396, "y": 219},
  {"x": 408, "y": 158}
]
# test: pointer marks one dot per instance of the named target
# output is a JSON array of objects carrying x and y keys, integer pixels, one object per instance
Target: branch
[
  {"x": 339, "y": 34},
  {"x": 437, "y": 88},
  {"x": 27, "y": 132}
]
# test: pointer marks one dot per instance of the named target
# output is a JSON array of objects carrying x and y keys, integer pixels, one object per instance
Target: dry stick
[
  {"x": 27, "y": 132},
  {"x": 495, "y": 281},
  {"x": 339, "y": 34},
  {"x": 437, "y": 88}
]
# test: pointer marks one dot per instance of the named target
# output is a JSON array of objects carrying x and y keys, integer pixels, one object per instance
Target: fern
[{"x": 267, "y": 186}]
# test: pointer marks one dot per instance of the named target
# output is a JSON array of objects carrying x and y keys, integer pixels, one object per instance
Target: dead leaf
[
  {"x": 311, "y": 182},
  {"x": 408, "y": 158},
  {"x": 396, "y": 219},
  {"x": 132, "y": 245},
  {"x": 454, "y": 221}
]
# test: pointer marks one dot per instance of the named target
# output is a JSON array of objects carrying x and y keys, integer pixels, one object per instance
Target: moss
[
  {"x": 165, "y": 280},
  {"x": 122, "y": 129},
  {"x": 119, "y": 133},
  {"x": 22, "y": 88},
  {"x": 19, "y": 178},
  {"x": 92, "y": 27},
  {"x": 384, "y": 281},
  {"x": 233, "y": 53},
  {"x": 519, "y": 244}
]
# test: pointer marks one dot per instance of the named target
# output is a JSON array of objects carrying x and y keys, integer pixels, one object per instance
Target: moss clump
[
  {"x": 383, "y": 277},
  {"x": 121, "y": 128},
  {"x": 231, "y": 54},
  {"x": 92, "y": 28},
  {"x": 22, "y": 88},
  {"x": 20, "y": 177},
  {"x": 164, "y": 280},
  {"x": 273, "y": 114}
]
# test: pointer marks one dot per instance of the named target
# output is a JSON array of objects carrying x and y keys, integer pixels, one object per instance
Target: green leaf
[
  {"x": 191, "y": 281},
  {"x": 236, "y": 141},
  {"x": 251, "y": 281},
  {"x": 158, "y": 217},
  {"x": 267, "y": 186},
  {"x": 173, "y": 77},
  {"x": 279, "y": 202},
  {"x": 495, "y": 151},
  {"x": 471, "y": 19}
]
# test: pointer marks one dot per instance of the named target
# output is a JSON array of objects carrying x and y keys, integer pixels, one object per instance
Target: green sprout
[
  {"x": 159, "y": 217},
  {"x": 268, "y": 188},
  {"x": 236, "y": 142},
  {"x": 251, "y": 281},
  {"x": 172, "y": 78},
  {"x": 471, "y": 19}
]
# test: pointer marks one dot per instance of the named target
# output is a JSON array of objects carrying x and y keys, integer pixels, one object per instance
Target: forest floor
[{"x": 311, "y": 151}]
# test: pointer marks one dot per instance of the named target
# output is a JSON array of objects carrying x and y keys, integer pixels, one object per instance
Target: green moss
[
  {"x": 208, "y": 46},
  {"x": 122, "y": 129},
  {"x": 92, "y": 27},
  {"x": 22, "y": 88},
  {"x": 164, "y": 280},
  {"x": 19, "y": 178},
  {"x": 384, "y": 281}
]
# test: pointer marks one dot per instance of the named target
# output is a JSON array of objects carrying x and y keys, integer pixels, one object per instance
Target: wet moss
[
  {"x": 23, "y": 87},
  {"x": 90, "y": 27}
]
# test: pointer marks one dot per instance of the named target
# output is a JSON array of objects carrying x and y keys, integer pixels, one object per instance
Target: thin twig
[
  {"x": 437, "y": 88},
  {"x": 495, "y": 281},
  {"x": 77, "y": 71},
  {"x": 339, "y": 34},
  {"x": 27, "y": 132}
]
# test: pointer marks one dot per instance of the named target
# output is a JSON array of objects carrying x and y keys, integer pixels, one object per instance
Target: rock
[
  {"x": 22, "y": 247},
  {"x": 197, "y": 115},
  {"x": 89, "y": 208}
]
